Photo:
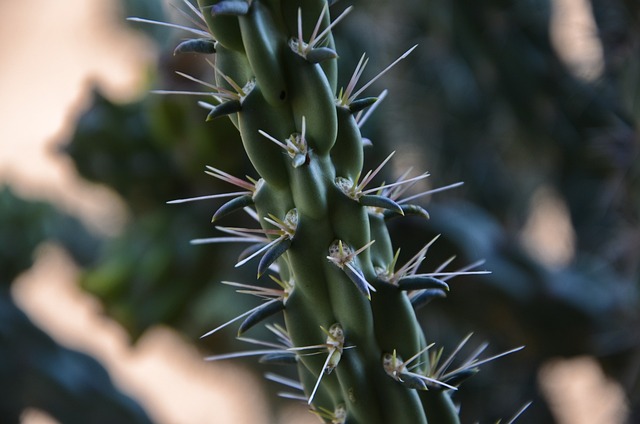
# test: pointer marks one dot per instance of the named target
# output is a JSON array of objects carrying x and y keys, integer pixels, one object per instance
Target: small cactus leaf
[
  {"x": 261, "y": 313},
  {"x": 224, "y": 109},
  {"x": 283, "y": 358},
  {"x": 358, "y": 279},
  {"x": 421, "y": 282},
  {"x": 230, "y": 7},
  {"x": 320, "y": 54},
  {"x": 196, "y": 45},
  {"x": 360, "y": 104},
  {"x": 380, "y": 202},
  {"x": 250, "y": 251},
  {"x": 407, "y": 210},
  {"x": 385, "y": 282},
  {"x": 426, "y": 296},
  {"x": 412, "y": 381},
  {"x": 232, "y": 206},
  {"x": 456, "y": 378},
  {"x": 272, "y": 254}
]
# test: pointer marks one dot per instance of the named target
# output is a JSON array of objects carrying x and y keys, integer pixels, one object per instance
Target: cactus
[{"x": 350, "y": 325}]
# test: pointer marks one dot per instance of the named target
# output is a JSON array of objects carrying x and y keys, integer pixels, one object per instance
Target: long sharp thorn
[
  {"x": 320, "y": 36},
  {"x": 369, "y": 176},
  {"x": 429, "y": 192},
  {"x": 318, "y": 23},
  {"x": 212, "y": 196},
  {"x": 181, "y": 92},
  {"x": 195, "y": 10},
  {"x": 451, "y": 357},
  {"x": 200, "y": 24},
  {"x": 197, "y": 80},
  {"x": 313, "y": 393},
  {"x": 284, "y": 381},
  {"x": 279, "y": 359},
  {"x": 170, "y": 25},
  {"x": 439, "y": 383},
  {"x": 240, "y": 354},
  {"x": 227, "y": 240},
  {"x": 500, "y": 355},
  {"x": 384, "y": 71},
  {"x": 520, "y": 412},
  {"x": 231, "y": 321},
  {"x": 410, "y": 180},
  {"x": 257, "y": 252},
  {"x": 300, "y": 36}
]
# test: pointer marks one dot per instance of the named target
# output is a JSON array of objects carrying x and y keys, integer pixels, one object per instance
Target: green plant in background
[{"x": 349, "y": 307}]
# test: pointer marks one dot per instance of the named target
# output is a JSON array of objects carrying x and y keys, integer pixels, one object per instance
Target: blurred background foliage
[
  {"x": 486, "y": 99},
  {"x": 37, "y": 372}
]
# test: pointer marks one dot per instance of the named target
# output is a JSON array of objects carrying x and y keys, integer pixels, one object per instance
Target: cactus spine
[{"x": 323, "y": 236}]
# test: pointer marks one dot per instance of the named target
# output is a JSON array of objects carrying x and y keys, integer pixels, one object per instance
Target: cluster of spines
[{"x": 322, "y": 236}]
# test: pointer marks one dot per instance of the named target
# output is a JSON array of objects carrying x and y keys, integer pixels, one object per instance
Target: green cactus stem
[{"x": 321, "y": 231}]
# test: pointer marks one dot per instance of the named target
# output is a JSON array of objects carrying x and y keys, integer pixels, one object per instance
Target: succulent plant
[{"x": 326, "y": 261}]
